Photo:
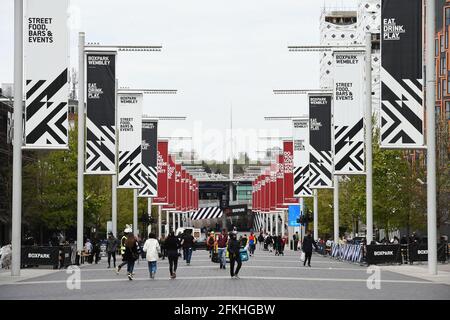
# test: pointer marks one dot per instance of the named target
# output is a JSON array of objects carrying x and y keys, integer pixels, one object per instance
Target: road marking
[{"x": 228, "y": 278}]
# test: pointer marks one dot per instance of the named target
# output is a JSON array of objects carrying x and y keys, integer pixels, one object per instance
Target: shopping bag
[
  {"x": 243, "y": 254},
  {"x": 215, "y": 257},
  {"x": 302, "y": 256}
]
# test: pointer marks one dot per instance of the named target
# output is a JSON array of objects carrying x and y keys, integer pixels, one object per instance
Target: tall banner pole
[
  {"x": 167, "y": 223},
  {"x": 81, "y": 129},
  {"x": 336, "y": 209},
  {"x": 135, "y": 211},
  {"x": 149, "y": 209},
  {"x": 316, "y": 215},
  {"x": 174, "y": 228},
  {"x": 179, "y": 219},
  {"x": 18, "y": 137},
  {"x": 431, "y": 136},
  {"x": 159, "y": 222},
  {"x": 114, "y": 204},
  {"x": 368, "y": 120}
]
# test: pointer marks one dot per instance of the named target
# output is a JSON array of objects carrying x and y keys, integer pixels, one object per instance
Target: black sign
[
  {"x": 419, "y": 252},
  {"x": 235, "y": 210},
  {"x": 149, "y": 159},
  {"x": 380, "y": 254},
  {"x": 401, "y": 75},
  {"x": 101, "y": 114},
  {"x": 320, "y": 156},
  {"x": 40, "y": 256}
]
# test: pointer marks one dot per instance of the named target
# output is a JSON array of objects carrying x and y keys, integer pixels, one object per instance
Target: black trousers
[
  {"x": 235, "y": 257},
  {"x": 113, "y": 255},
  {"x": 173, "y": 263},
  {"x": 307, "y": 258}
]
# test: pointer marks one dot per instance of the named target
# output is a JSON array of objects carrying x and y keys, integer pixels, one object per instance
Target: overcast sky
[{"x": 217, "y": 54}]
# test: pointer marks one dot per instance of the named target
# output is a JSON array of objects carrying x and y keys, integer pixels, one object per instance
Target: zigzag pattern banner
[
  {"x": 149, "y": 178},
  {"x": 402, "y": 111},
  {"x": 348, "y": 113},
  {"x": 320, "y": 169},
  {"x": 129, "y": 123},
  {"x": 101, "y": 114},
  {"x": 100, "y": 148},
  {"x": 46, "y": 61},
  {"x": 320, "y": 154},
  {"x": 301, "y": 182}
]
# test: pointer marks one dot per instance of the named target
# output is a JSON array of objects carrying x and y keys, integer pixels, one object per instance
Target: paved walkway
[{"x": 265, "y": 276}]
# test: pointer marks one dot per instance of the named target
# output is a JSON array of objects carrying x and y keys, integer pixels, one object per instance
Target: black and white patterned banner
[
  {"x": 402, "y": 111},
  {"x": 207, "y": 213},
  {"x": 101, "y": 114},
  {"x": 149, "y": 172},
  {"x": 320, "y": 153},
  {"x": 301, "y": 158},
  {"x": 46, "y": 58},
  {"x": 348, "y": 113},
  {"x": 129, "y": 124},
  {"x": 257, "y": 222}
]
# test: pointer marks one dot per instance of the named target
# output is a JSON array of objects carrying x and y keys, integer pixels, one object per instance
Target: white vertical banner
[
  {"x": 46, "y": 59},
  {"x": 300, "y": 134},
  {"x": 129, "y": 124},
  {"x": 348, "y": 113}
]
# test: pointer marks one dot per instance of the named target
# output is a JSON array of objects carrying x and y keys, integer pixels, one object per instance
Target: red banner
[
  {"x": 280, "y": 182},
  {"x": 183, "y": 190},
  {"x": 171, "y": 184},
  {"x": 163, "y": 159},
  {"x": 178, "y": 187},
  {"x": 288, "y": 155},
  {"x": 273, "y": 186},
  {"x": 267, "y": 191}
]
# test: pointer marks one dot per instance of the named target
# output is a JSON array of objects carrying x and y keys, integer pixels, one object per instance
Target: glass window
[
  {"x": 444, "y": 87},
  {"x": 438, "y": 113},
  {"x": 447, "y": 109},
  {"x": 447, "y": 17},
  {"x": 436, "y": 46},
  {"x": 442, "y": 43},
  {"x": 439, "y": 90}
]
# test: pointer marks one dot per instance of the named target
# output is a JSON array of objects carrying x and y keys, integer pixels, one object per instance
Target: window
[
  {"x": 447, "y": 16},
  {"x": 439, "y": 90},
  {"x": 441, "y": 39},
  {"x": 443, "y": 64},
  {"x": 444, "y": 87},
  {"x": 447, "y": 109},
  {"x": 436, "y": 46},
  {"x": 438, "y": 113}
]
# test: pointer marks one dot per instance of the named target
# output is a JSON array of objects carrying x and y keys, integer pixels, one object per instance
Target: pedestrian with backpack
[{"x": 131, "y": 254}]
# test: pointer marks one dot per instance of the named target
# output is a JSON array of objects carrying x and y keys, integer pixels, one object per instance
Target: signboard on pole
[
  {"x": 46, "y": 58},
  {"x": 178, "y": 187},
  {"x": 348, "y": 113},
  {"x": 288, "y": 179},
  {"x": 402, "y": 111},
  {"x": 101, "y": 113},
  {"x": 293, "y": 215},
  {"x": 301, "y": 158},
  {"x": 162, "y": 161},
  {"x": 129, "y": 124},
  {"x": 171, "y": 184},
  {"x": 149, "y": 176},
  {"x": 321, "y": 155}
]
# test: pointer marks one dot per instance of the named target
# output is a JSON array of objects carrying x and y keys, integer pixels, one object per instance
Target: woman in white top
[{"x": 152, "y": 249}]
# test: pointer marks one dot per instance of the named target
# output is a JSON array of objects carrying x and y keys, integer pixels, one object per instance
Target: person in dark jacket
[
  {"x": 131, "y": 254},
  {"x": 188, "y": 245},
  {"x": 172, "y": 245},
  {"x": 233, "y": 249},
  {"x": 111, "y": 247},
  {"x": 307, "y": 245}
]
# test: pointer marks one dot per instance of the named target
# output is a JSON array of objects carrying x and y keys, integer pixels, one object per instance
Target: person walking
[
  {"x": 307, "y": 245},
  {"x": 244, "y": 241},
  {"x": 210, "y": 243},
  {"x": 152, "y": 250},
  {"x": 295, "y": 237},
  {"x": 131, "y": 254},
  {"x": 123, "y": 241},
  {"x": 111, "y": 247},
  {"x": 261, "y": 241},
  {"x": 251, "y": 244},
  {"x": 172, "y": 244},
  {"x": 233, "y": 249},
  {"x": 222, "y": 248},
  {"x": 188, "y": 244},
  {"x": 89, "y": 249}
]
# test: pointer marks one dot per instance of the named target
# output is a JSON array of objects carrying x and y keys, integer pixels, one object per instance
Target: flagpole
[{"x": 316, "y": 215}]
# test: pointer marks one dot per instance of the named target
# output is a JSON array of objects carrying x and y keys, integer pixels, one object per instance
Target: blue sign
[{"x": 294, "y": 214}]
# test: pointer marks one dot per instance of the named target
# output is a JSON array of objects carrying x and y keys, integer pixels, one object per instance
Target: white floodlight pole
[
  {"x": 16, "y": 237},
  {"x": 368, "y": 122},
  {"x": 316, "y": 215},
  {"x": 431, "y": 136}
]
